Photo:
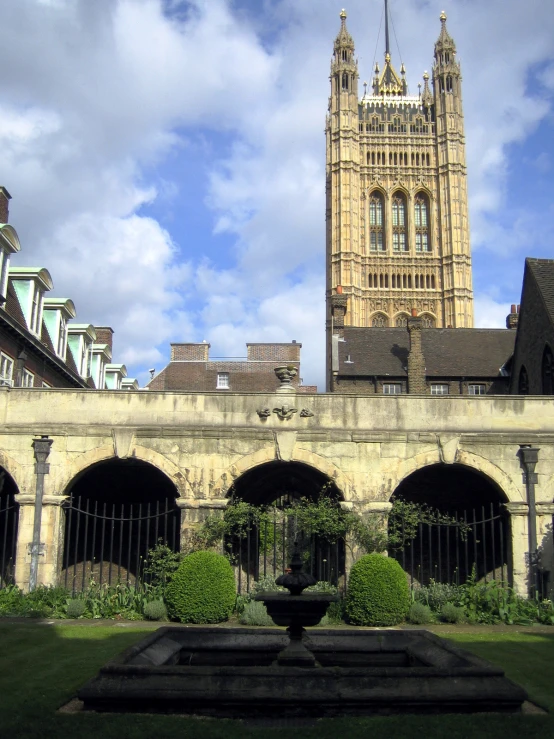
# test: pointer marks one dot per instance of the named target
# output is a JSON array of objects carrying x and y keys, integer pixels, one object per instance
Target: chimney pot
[
  {"x": 513, "y": 308},
  {"x": 414, "y": 313},
  {"x": 339, "y": 289},
  {"x": 5, "y": 198}
]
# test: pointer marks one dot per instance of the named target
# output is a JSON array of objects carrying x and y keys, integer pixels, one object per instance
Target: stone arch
[
  {"x": 268, "y": 454},
  {"x": 144, "y": 454},
  {"x": 13, "y": 469}
]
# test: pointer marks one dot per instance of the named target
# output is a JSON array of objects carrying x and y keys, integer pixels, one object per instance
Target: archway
[
  {"x": 9, "y": 518},
  {"x": 466, "y": 527},
  {"x": 117, "y": 511},
  {"x": 264, "y": 548}
]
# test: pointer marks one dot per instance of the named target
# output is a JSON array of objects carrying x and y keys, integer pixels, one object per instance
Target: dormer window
[
  {"x": 80, "y": 338},
  {"x": 9, "y": 244},
  {"x": 57, "y": 312},
  {"x": 30, "y": 284}
]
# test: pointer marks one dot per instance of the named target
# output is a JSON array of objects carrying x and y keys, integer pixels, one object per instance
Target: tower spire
[{"x": 387, "y": 38}]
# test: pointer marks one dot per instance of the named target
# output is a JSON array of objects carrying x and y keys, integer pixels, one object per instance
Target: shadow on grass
[{"x": 44, "y": 665}]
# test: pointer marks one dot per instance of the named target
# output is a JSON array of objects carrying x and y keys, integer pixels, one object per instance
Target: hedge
[{"x": 378, "y": 593}]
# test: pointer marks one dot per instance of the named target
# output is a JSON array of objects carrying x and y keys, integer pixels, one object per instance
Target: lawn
[{"x": 44, "y": 665}]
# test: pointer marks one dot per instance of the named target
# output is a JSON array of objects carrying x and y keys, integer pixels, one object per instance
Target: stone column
[
  {"x": 529, "y": 457},
  {"x": 545, "y": 534},
  {"x": 41, "y": 448},
  {"x": 194, "y": 512},
  {"x": 416, "y": 360},
  {"x": 519, "y": 565}
]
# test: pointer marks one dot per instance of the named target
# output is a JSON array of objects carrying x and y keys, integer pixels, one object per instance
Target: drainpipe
[
  {"x": 529, "y": 457},
  {"x": 41, "y": 448}
]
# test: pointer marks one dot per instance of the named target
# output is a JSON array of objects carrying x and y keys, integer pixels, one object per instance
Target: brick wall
[
  {"x": 274, "y": 352},
  {"x": 42, "y": 370},
  {"x": 190, "y": 352},
  {"x": 104, "y": 335}
]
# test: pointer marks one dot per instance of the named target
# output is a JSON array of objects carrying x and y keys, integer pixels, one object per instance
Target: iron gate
[
  {"x": 9, "y": 516},
  {"x": 474, "y": 541},
  {"x": 109, "y": 543}
]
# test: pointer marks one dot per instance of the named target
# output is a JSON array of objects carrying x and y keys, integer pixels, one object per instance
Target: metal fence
[
  {"x": 9, "y": 516},
  {"x": 109, "y": 543},
  {"x": 475, "y": 541}
]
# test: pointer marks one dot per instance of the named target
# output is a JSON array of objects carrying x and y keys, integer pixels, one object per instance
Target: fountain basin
[
  {"x": 232, "y": 672},
  {"x": 287, "y": 609}
]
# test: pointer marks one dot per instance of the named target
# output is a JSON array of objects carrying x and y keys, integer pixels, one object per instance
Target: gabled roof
[
  {"x": 461, "y": 352},
  {"x": 543, "y": 273}
]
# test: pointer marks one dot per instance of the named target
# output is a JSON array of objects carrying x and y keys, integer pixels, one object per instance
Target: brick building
[
  {"x": 39, "y": 346},
  {"x": 190, "y": 369}
]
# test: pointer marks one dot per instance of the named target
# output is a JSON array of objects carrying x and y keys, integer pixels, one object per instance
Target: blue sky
[{"x": 166, "y": 158}]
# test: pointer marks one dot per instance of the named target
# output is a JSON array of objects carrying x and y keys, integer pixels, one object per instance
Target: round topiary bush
[
  {"x": 378, "y": 593},
  {"x": 202, "y": 590}
]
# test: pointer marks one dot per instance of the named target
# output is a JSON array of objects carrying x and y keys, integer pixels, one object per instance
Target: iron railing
[
  {"x": 110, "y": 543},
  {"x": 9, "y": 516},
  {"x": 474, "y": 541}
]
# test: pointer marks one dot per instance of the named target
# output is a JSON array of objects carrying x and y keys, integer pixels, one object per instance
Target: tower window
[
  {"x": 547, "y": 372},
  {"x": 449, "y": 84},
  {"x": 422, "y": 223},
  {"x": 399, "y": 240},
  {"x": 345, "y": 81},
  {"x": 376, "y": 224}
]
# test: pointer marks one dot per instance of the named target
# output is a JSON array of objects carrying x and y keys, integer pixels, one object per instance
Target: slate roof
[
  {"x": 461, "y": 352},
  {"x": 543, "y": 272}
]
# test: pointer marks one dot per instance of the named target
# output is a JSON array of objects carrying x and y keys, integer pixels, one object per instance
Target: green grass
[{"x": 42, "y": 666}]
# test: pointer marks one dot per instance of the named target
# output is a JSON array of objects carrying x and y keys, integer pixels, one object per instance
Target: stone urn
[{"x": 285, "y": 373}]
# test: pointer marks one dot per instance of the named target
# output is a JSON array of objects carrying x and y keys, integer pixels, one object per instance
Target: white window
[
  {"x": 62, "y": 337},
  {"x": 439, "y": 389},
  {"x": 222, "y": 380},
  {"x": 6, "y": 369},
  {"x": 476, "y": 389},
  {"x": 27, "y": 379},
  {"x": 45, "y": 384},
  {"x": 392, "y": 388}
]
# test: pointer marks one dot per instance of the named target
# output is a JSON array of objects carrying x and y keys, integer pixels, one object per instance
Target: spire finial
[
  {"x": 387, "y": 40},
  {"x": 343, "y": 15},
  {"x": 443, "y": 17}
]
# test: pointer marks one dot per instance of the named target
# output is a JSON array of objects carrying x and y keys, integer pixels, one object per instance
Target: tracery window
[
  {"x": 421, "y": 220},
  {"x": 399, "y": 236},
  {"x": 345, "y": 81},
  {"x": 379, "y": 321},
  {"x": 523, "y": 382},
  {"x": 547, "y": 371},
  {"x": 402, "y": 320},
  {"x": 376, "y": 223},
  {"x": 427, "y": 321}
]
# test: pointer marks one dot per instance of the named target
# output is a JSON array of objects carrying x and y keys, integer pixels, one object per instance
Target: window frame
[
  {"x": 396, "y": 385},
  {"x": 482, "y": 388},
  {"x": 223, "y": 381},
  {"x": 6, "y": 377},
  {"x": 444, "y": 389},
  {"x": 27, "y": 378}
]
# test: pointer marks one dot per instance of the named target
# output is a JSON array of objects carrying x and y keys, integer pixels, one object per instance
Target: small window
[
  {"x": 439, "y": 389},
  {"x": 6, "y": 369},
  {"x": 27, "y": 379},
  {"x": 392, "y": 388},
  {"x": 45, "y": 384},
  {"x": 476, "y": 389},
  {"x": 222, "y": 380}
]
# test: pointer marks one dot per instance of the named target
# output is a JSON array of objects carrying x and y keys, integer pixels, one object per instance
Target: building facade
[{"x": 396, "y": 194}]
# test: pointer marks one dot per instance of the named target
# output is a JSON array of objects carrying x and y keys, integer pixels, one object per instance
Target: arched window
[
  {"x": 379, "y": 320},
  {"x": 376, "y": 223},
  {"x": 523, "y": 382},
  {"x": 399, "y": 236},
  {"x": 423, "y": 242},
  {"x": 345, "y": 81},
  {"x": 547, "y": 371},
  {"x": 401, "y": 320},
  {"x": 427, "y": 321}
]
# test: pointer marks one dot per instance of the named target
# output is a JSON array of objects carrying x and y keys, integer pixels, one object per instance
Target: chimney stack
[
  {"x": 416, "y": 360},
  {"x": 513, "y": 317},
  {"x": 5, "y": 198}
]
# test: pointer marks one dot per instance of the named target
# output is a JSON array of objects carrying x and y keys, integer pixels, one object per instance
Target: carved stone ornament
[
  {"x": 306, "y": 413},
  {"x": 263, "y": 413},
  {"x": 285, "y": 412}
]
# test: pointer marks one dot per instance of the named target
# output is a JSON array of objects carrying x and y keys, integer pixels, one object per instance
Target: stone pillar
[
  {"x": 41, "y": 449},
  {"x": 416, "y": 360},
  {"x": 193, "y": 514},
  {"x": 51, "y": 536},
  {"x": 529, "y": 457},
  {"x": 545, "y": 535},
  {"x": 519, "y": 564}
]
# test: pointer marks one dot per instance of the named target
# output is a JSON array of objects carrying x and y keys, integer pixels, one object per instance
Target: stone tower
[{"x": 396, "y": 194}]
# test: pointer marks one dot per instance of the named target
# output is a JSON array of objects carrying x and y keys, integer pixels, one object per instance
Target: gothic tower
[{"x": 396, "y": 195}]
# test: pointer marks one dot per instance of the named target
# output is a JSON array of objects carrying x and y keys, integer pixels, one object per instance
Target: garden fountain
[{"x": 268, "y": 673}]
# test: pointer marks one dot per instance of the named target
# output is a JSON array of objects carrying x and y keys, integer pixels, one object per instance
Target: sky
[{"x": 166, "y": 158}]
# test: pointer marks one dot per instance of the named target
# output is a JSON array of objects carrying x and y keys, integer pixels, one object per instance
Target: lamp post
[
  {"x": 529, "y": 457},
  {"x": 41, "y": 449}
]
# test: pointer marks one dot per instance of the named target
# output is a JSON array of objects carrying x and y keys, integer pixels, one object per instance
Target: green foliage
[
  {"x": 43, "y": 602},
  {"x": 202, "y": 590},
  {"x": 452, "y": 614},
  {"x": 11, "y": 601},
  {"x": 437, "y": 594},
  {"x": 378, "y": 593},
  {"x": 322, "y": 587},
  {"x": 335, "y": 613},
  {"x": 155, "y": 610},
  {"x": 420, "y": 613},
  {"x": 161, "y": 563},
  {"x": 255, "y": 614},
  {"x": 120, "y": 601},
  {"x": 76, "y": 607}
]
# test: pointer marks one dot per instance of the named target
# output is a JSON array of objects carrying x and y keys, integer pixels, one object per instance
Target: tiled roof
[
  {"x": 13, "y": 307},
  {"x": 461, "y": 352},
  {"x": 543, "y": 272}
]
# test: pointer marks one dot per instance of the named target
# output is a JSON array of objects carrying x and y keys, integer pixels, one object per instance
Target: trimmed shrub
[
  {"x": 255, "y": 614},
  {"x": 437, "y": 594},
  {"x": 75, "y": 607},
  {"x": 452, "y": 614},
  {"x": 203, "y": 590},
  {"x": 378, "y": 593},
  {"x": 155, "y": 610},
  {"x": 419, "y": 613}
]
